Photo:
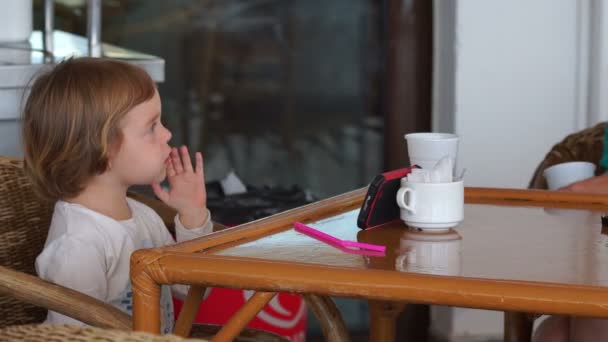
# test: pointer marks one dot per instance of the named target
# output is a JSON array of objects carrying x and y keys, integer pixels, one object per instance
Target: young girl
[{"x": 91, "y": 129}]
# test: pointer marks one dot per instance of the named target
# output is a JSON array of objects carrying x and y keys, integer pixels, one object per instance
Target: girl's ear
[
  {"x": 113, "y": 149},
  {"x": 114, "y": 141}
]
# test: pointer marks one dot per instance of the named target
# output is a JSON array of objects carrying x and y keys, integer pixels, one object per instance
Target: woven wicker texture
[
  {"x": 585, "y": 145},
  {"x": 207, "y": 331},
  {"x": 47, "y": 332},
  {"x": 24, "y": 222}
]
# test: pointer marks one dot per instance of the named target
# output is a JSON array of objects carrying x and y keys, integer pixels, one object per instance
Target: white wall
[
  {"x": 598, "y": 60},
  {"x": 512, "y": 78},
  {"x": 511, "y": 89}
]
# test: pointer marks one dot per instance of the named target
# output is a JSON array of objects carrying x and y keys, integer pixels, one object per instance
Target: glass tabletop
[{"x": 495, "y": 242}]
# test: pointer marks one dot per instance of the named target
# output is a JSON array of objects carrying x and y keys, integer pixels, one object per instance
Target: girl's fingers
[
  {"x": 170, "y": 169},
  {"x": 187, "y": 163},
  {"x": 177, "y": 163},
  {"x": 199, "y": 164},
  {"x": 161, "y": 193}
]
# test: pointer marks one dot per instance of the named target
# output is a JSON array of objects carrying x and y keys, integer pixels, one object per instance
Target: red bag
[{"x": 284, "y": 315}]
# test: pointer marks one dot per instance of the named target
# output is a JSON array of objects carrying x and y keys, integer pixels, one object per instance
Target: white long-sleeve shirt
[{"x": 90, "y": 253}]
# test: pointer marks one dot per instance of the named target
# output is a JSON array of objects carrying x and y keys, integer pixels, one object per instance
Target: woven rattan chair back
[
  {"x": 24, "y": 223},
  {"x": 60, "y": 333},
  {"x": 585, "y": 145}
]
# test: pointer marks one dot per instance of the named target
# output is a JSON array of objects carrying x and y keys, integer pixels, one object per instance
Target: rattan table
[{"x": 524, "y": 251}]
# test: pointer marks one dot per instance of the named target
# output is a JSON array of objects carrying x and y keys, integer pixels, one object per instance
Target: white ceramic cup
[
  {"x": 425, "y": 149},
  {"x": 431, "y": 253},
  {"x": 564, "y": 174},
  {"x": 431, "y": 206}
]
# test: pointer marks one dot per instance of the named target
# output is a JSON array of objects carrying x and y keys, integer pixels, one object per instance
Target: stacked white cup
[
  {"x": 433, "y": 206},
  {"x": 426, "y": 149}
]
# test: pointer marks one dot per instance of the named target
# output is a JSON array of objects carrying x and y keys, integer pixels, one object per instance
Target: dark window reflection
[{"x": 282, "y": 92}]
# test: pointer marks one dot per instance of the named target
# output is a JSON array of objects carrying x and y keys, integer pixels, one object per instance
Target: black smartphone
[{"x": 380, "y": 204}]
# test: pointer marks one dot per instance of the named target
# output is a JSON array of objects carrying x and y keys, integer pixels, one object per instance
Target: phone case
[{"x": 380, "y": 204}]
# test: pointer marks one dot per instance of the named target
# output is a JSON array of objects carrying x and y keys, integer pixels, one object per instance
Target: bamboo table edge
[
  {"x": 152, "y": 267},
  {"x": 277, "y": 276}
]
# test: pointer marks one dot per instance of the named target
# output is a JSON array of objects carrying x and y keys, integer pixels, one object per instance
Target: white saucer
[{"x": 443, "y": 226}]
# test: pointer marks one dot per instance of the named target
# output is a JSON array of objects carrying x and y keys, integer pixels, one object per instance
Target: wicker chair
[
  {"x": 25, "y": 298},
  {"x": 585, "y": 145},
  {"x": 60, "y": 333}
]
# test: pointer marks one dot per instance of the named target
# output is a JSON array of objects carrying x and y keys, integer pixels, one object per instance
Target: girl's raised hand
[{"x": 187, "y": 193}]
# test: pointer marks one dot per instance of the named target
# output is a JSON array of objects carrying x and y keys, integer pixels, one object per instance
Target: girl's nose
[{"x": 168, "y": 134}]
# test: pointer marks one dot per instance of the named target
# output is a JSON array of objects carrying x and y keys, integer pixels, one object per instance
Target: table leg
[
  {"x": 146, "y": 303},
  {"x": 329, "y": 317},
  {"x": 518, "y": 327},
  {"x": 245, "y": 314},
  {"x": 183, "y": 326},
  {"x": 382, "y": 319}
]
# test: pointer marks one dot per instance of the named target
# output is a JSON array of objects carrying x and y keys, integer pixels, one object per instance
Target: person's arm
[
  {"x": 76, "y": 264},
  {"x": 593, "y": 185}
]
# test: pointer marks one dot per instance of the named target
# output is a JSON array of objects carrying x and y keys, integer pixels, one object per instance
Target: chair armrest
[{"x": 36, "y": 291}]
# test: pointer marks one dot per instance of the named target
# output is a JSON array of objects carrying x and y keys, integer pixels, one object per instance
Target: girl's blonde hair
[{"x": 71, "y": 120}]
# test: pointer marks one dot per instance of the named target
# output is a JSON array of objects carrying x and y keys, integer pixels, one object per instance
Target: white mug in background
[
  {"x": 430, "y": 253},
  {"x": 425, "y": 149},
  {"x": 431, "y": 206},
  {"x": 564, "y": 174}
]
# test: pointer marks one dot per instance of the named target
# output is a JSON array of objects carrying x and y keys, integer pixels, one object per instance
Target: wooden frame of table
[{"x": 198, "y": 263}]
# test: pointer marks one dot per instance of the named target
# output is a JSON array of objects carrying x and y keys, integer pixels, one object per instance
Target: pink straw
[{"x": 319, "y": 235}]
